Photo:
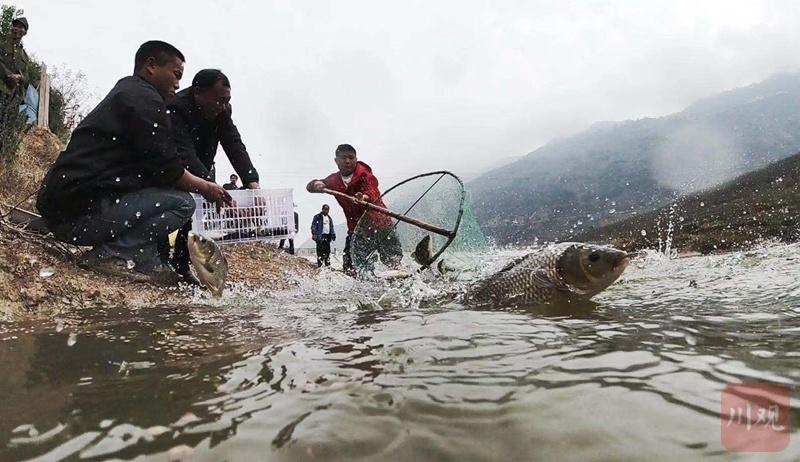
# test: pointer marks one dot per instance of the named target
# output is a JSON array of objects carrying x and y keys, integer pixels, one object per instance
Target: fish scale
[
  {"x": 561, "y": 272},
  {"x": 518, "y": 281},
  {"x": 209, "y": 263}
]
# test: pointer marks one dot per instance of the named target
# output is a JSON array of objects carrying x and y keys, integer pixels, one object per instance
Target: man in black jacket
[
  {"x": 232, "y": 185},
  {"x": 120, "y": 186},
  {"x": 201, "y": 116},
  {"x": 322, "y": 233}
]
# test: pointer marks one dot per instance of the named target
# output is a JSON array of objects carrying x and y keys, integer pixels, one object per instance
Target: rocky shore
[{"x": 39, "y": 279}]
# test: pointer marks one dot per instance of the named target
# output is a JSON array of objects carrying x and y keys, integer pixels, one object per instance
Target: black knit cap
[{"x": 21, "y": 21}]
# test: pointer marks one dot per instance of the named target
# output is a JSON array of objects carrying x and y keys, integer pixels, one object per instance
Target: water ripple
[{"x": 338, "y": 371}]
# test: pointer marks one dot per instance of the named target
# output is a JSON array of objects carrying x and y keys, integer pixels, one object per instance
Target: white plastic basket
[{"x": 259, "y": 215}]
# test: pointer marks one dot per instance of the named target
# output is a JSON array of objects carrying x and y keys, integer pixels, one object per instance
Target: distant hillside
[
  {"x": 759, "y": 205},
  {"x": 615, "y": 169}
]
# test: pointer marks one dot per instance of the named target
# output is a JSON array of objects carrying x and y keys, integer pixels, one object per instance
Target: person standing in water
[{"x": 355, "y": 178}]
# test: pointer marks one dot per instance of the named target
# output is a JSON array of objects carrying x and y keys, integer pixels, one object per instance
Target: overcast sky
[{"x": 421, "y": 85}]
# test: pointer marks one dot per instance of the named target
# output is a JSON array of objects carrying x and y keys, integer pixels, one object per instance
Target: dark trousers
[
  {"x": 359, "y": 250},
  {"x": 12, "y": 123},
  {"x": 136, "y": 227},
  {"x": 323, "y": 249},
  {"x": 291, "y": 245},
  {"x": 180, "y": 256}
]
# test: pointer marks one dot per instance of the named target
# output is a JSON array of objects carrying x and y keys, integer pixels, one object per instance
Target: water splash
[{"x": 667, "y": 250}]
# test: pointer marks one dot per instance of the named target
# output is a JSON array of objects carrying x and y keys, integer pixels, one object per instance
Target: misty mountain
[
  {"x": 614, "y": 169},
  {"x": 757, "y": 206}
]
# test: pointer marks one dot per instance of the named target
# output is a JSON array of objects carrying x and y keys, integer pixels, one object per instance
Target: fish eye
[{"x": 593, "y": 257}]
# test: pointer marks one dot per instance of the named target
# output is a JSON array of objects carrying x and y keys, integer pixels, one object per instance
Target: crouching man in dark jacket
[
  {"x": 119, "y": 186},
  {"x": 201, "y": 116}
]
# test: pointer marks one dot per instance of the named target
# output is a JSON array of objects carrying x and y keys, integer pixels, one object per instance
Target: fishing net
[{"x": 437, "y": 199}]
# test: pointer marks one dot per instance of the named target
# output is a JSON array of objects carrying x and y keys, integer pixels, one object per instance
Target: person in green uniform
[{"x": 14, "y": 62}]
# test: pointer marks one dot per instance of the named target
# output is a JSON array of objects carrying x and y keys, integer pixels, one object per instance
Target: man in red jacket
[{"x": 376, "y": 234}]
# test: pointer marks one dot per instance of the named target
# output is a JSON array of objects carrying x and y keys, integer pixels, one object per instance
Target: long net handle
[{"x": 421, "y": 224}]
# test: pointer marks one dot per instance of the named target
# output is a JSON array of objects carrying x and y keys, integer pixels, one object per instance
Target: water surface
[{"x": 339, "y": 370}]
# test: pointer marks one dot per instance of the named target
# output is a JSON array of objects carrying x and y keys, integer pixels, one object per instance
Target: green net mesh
[{"x": 437, "y": 199}]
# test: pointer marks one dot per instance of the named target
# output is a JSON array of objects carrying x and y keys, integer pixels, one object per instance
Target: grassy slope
[{"x": 760, "y": 205}]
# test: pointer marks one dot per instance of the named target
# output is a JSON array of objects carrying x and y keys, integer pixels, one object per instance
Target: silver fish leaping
[
  {"x": 209, "y": 263},
  {"x": 423, "y": 252},
  {"x": 558, "y": 273}
]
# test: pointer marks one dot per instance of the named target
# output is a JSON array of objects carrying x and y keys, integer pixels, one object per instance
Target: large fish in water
[
  {"x": 209, "y": 263},
  {"x": 558, "y": 273}
]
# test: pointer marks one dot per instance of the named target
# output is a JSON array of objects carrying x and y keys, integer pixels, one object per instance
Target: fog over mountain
[
  {"x": 420, "y": 86},
  {"x": 614, "y": 169}
]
